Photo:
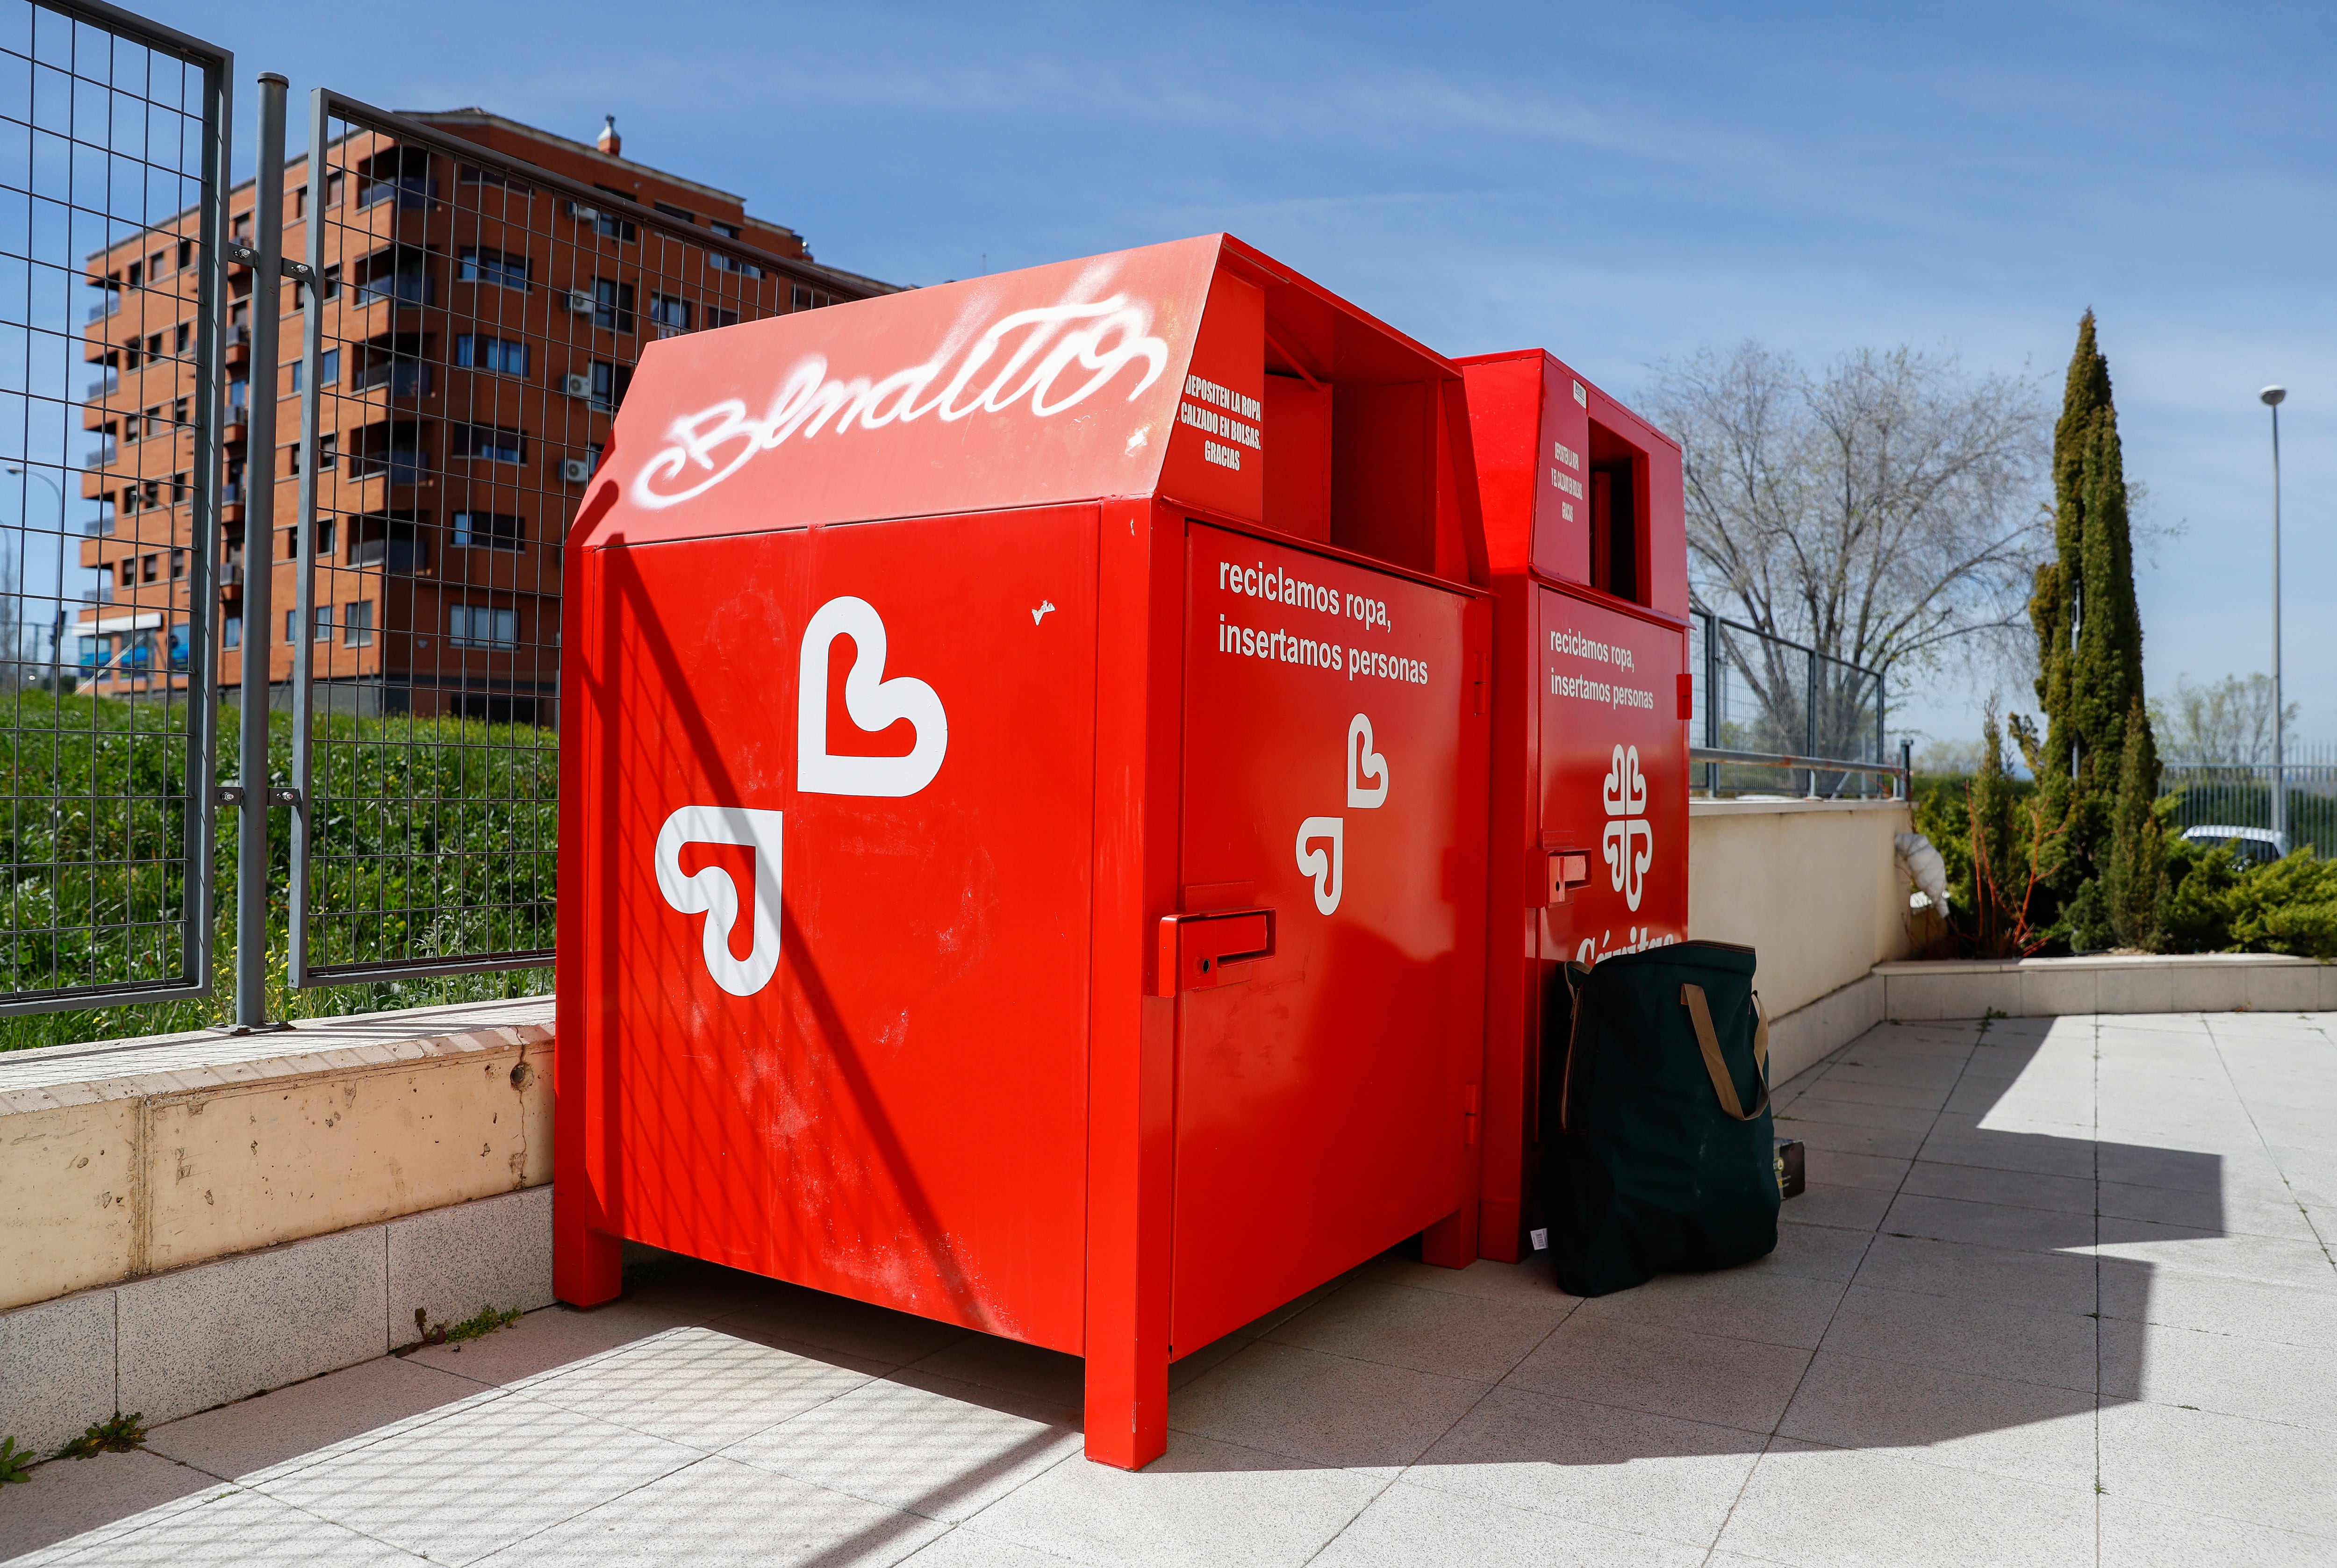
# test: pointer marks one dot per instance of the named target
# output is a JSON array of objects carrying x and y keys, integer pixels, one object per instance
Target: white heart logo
[
  {"x": 874, "y": 703},
  {"x": 1327, "y": 869},
  {"x": 710, "y": 891},
  {"x": 1363, "y": 762}
]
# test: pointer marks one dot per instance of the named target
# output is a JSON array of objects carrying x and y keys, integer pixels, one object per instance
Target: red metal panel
[
  {"x": 875, "y": 1084},
  {"x": 1056, "y": 383},
  {"x": 1320, "y": 1101},
  {"x": 1614, "y": 774}
]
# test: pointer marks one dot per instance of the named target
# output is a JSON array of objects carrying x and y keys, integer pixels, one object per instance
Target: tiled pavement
[{"x": 2060, "y": 1293}]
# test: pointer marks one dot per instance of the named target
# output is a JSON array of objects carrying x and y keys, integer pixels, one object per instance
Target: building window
[
  {"x": 323, "y": 538},
  {"x": 324, "y": 623},
  {"x": 178, "y": 339},
  {"x": 670, "y": 310},
  {"x": 231, "y": 631},
  {"x": 613, "y": 304},
  {"x": 178, "y": 564},
  {"x": 478, "y": 175},
  {"x": 488, "y": 530},
  {"x": 481, "y": 265},
  {"x": 495, "y": 443},
  {"x": 670, "y": 211},
  {"x": 179, "y": 412},
  {"x": 178, "y": 488},
  {"x": 328, "y": 450},
  {"x": 503, "y": 356},
  {"x": 186, "y": 254},
  {"x": 289, "y": 624},
  {"x": 607, "y": 225},
  {"x": 300, "y": 202},
  {"x": 609, "y": 383},
  {"x": 481, "y": 626},
  {"x": 811, "y": 299},
  {"x": 150, "y": 568},
  {"x": 357, "y": 625},
  {"x": 721, "y": 263},
  {"x": 333, "y": 190},
  {"x": 329, "y": 369},
  {"x": 716, "y": 316}
]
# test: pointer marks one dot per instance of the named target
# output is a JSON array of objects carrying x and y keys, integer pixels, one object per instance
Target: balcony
[
  {"x": 110, "y": 384},
  {"x": 400, "y": 555},
  {"x": 239, "y": 345},
  {"x": 99, "y": 527},
  {"x": 109, "y": 306},
  {"x": 399, "y": 288},
  {"x": 403, "y": 378},
  {"x": 235, "y": 432},
  {"x": 104, "y": 454}
]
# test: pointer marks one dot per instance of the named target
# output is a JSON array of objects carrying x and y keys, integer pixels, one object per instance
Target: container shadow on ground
[{"x": 1958, "y": 1309}]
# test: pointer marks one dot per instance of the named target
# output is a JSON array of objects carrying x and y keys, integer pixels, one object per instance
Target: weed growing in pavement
[
  {"x": 486, "y": 1322},
  {"x": 15, "y": 1464},
  {"x": 119, "y": 1435}
]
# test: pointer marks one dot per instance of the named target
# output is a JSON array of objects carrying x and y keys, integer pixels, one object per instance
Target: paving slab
[
  {"x": 1706, "y": 1378},
  {"x": 1437, "y": 1331},
  {"x": 1624, "y": 1469},
  {"x": 1842, "y": 1508},
  {"x": 1408, "y": 1525},
  {"x": 1332, "y": 1409},
  {"x": 910, "y": 1449},
  {"x": 719, "y": 1514}
]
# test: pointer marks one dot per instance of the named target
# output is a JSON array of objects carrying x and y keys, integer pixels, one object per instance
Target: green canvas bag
[{"x": 1651, "y": 1161}]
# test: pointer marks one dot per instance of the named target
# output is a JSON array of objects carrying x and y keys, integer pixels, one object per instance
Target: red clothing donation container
[
  {"x": 1023, "y": 828},
  {"x": 1587, "y": 544}
]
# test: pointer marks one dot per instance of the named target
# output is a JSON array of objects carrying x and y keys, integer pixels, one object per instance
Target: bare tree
[
  {"x": 2229, "y": 722},
  {"x": 1887, "y": 511}
]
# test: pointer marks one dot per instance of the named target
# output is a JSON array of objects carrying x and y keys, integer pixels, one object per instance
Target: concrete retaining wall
[
  {"x": 176, "y": 1343},
  {"x": 132, "y": 1158},
  {"x": 2055, "y": 987},
  {"x": 1814, "y": 886}
]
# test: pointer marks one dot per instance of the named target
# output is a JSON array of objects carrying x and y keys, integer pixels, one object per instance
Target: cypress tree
[
  {"x": 2134, "y": 881},
  {"x": 2089, "y": 644}
]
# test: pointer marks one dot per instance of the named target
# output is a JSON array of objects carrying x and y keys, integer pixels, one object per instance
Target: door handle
[
  {"x": 1201, "y": 952},
  {"x": 1563, "y": 871}
]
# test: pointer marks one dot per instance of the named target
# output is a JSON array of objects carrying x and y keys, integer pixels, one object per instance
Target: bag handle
[{"x": 1708, "y": 1040}]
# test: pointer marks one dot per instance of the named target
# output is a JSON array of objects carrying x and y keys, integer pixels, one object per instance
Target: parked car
[{"x": 2256, "y": 846}]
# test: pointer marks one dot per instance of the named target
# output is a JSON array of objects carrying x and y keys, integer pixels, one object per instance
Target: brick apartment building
[{"x": 480, "y": 329}]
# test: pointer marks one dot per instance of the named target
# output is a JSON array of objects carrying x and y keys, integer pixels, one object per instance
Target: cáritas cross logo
[
  {"x": 1091, "y": 343},
  {"x": 1629, "y": 843}
]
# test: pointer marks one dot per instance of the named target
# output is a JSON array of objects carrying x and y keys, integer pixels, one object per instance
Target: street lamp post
[
  {"x": 2272, "y": 397},
  {"x": 57, "y": 635}
]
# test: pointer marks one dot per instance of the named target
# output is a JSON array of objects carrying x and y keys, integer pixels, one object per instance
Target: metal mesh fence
[
  {"x": 1759, "y": 695},
  {"x": 473, "y": 330},
  {"x": 2225, "y": 794},
  {"x": 112, "y": 147}
]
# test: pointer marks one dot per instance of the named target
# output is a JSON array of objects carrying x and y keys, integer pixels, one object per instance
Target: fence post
[
  {"x": 1810, "y": 717},
  {"x": 260, "y": 561},
  {"x": 1712, "y": 703}
]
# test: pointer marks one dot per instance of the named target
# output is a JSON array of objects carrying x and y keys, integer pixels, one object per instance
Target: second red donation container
[
  {"x": 1024, "y": 808},
  {"x": 1587, "y": 550}
]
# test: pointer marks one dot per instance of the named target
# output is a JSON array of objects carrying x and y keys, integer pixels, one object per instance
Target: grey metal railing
[
  {"x": 119, "y": 127},
  {"x": 1768, "y": 709},
  {"x": 2227, "y": 793},
  {"x": 493, "y": 315}
]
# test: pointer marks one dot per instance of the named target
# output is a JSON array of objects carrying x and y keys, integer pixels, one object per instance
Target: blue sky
[{"x": 1618, "y": 184}]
